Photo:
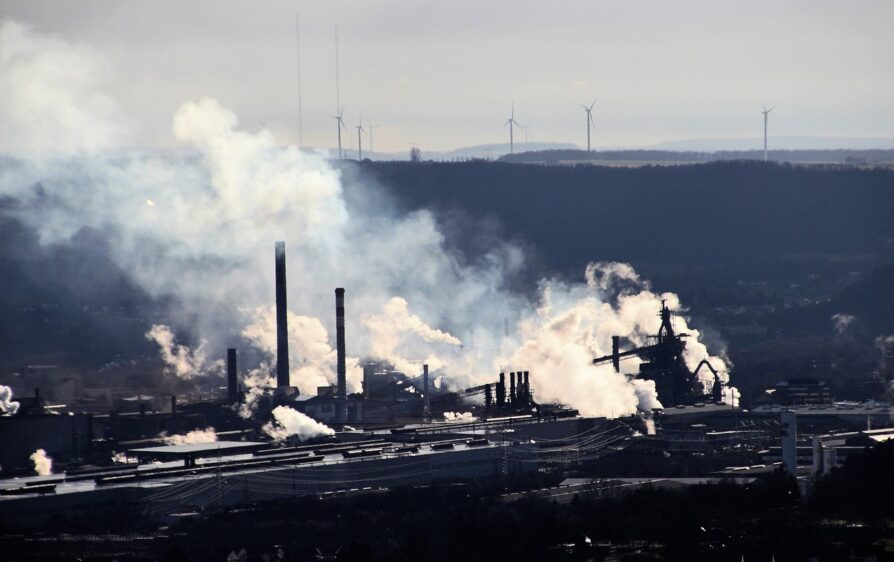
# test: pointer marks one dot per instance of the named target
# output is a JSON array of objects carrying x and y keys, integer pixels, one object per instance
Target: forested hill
[{"x": 723, "y": 212}]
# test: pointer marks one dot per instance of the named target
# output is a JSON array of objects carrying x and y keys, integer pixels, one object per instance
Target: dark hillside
[{"x": 707, "y": 214}]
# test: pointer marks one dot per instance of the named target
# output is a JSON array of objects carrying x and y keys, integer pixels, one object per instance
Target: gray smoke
[{"x": 198, "y": 228}]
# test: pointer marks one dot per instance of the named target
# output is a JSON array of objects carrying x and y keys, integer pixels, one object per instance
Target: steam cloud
[
  {"x": 197, "y": 228},
  {"x": 459, "y": 417},
  {"x": 8, "y": 407},
  {"x": 179, "y": 359},
  {"x": 43, "y": 465},
  {"x": 207, "y": 435},
  {"x": 288, "y": 422}
]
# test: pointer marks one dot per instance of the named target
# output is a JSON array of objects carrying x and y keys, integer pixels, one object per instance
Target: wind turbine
[
  {"x": 766, "y": 112},
  {"x": 589, "y": 112},
  {"x": 370, "y": 126},
  {"x": 340, "y": 124},
  {"x": 512, "y": 122},
  {"x": 360, "y": 130}
]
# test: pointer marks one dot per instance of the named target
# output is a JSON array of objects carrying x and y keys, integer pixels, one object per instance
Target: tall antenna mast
[
  {"x": 298, "y": 45},
  {"x": 338, "y": 108}
]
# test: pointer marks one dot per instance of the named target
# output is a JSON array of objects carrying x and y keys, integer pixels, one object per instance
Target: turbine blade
[{"x": 592, "y": 104}]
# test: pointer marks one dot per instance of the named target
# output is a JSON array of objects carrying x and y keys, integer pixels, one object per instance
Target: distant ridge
[
  {"x": 640, "y": 157},
  {"x": 790, "y": 142}
]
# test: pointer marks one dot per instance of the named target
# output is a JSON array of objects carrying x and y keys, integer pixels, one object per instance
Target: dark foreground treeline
[{"x": 847, "y": 516}]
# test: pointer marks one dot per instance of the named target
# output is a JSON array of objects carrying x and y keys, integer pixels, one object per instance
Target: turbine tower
[
  {"x": 360, "y": 130},
  {"x": 340, "y": 124},
  {"x": 370, "y": 126},
  {"x": 766, "y": 113},
  {"x": 589, "y": 113},
  {"x": 512, "y": 122}
]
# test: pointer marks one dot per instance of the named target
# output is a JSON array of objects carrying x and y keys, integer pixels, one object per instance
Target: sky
[{"x": 446, "y": 74}]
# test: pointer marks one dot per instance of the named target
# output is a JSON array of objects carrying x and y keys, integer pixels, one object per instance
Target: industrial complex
[{"x": 402, "y": 431}]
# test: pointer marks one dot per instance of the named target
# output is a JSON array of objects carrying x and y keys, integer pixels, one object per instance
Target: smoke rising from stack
[
  {"x": 43, "y": 465},
  {"x": 289, "y": 422},
  {"x": 204, "y": 244}
]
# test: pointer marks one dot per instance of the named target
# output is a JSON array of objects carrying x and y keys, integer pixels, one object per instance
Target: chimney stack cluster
[{"x": 519, "y": 391}]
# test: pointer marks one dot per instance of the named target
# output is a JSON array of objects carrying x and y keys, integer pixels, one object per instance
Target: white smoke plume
[
  {"x": 179, "y": 359},
  {"x": 459, "y": 417},
  {"x": 312, "y": 359},
  {"x": 290, "y": 422},
  {"x": 197, "y": 228},
  {"x": 207, "y": 435},
  {"x": 841, "y": 322},
  {"x": 45, "y": 76},
  {"x": 394, "y": 325},
  {"x": 43, "y": 465},
  {"x": 255, "y": 385},
  {"x": 8, "y": 406}
]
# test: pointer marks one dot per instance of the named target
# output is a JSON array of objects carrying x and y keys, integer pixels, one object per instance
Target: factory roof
[
  {"x": 198, "y": 449},
  {"x": 709, "y": 408}
]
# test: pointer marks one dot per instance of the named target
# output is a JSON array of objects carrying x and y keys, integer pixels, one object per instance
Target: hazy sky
[{"x": 444, "y": 74}]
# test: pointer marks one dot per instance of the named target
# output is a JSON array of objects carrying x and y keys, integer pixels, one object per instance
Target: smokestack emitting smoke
[
  {"x": 214, "y": 215},
  {"x": 232, "y": 377},
  {"x": 341, "y": 389},
  {"x": 282, "y": 322}
]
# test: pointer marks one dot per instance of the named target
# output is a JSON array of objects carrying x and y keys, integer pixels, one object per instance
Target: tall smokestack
[
  {"x": 527, "y": 398},
  {"x": 232, "y": 382},
  {"x": 426, "y": 400},
  {"x": 501, "y": 391},
  {"x": 616, "y": 353},
  {"x": 341, "y": 391},
  {"x": 512, "y": 396},
  {"x": 282, "y": 323}
]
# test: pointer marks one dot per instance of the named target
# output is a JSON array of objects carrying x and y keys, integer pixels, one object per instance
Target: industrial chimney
[
  {"x": 341, "y": 392},
  {"x": 232, "y": 381},
  {"x": 426, "y": 400},
  {"x": 512, "y": 397},
  {"x": 616, "y": 353},
  {"x": 282, "y": 325},
  {"x": 527, "y": 386}
]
